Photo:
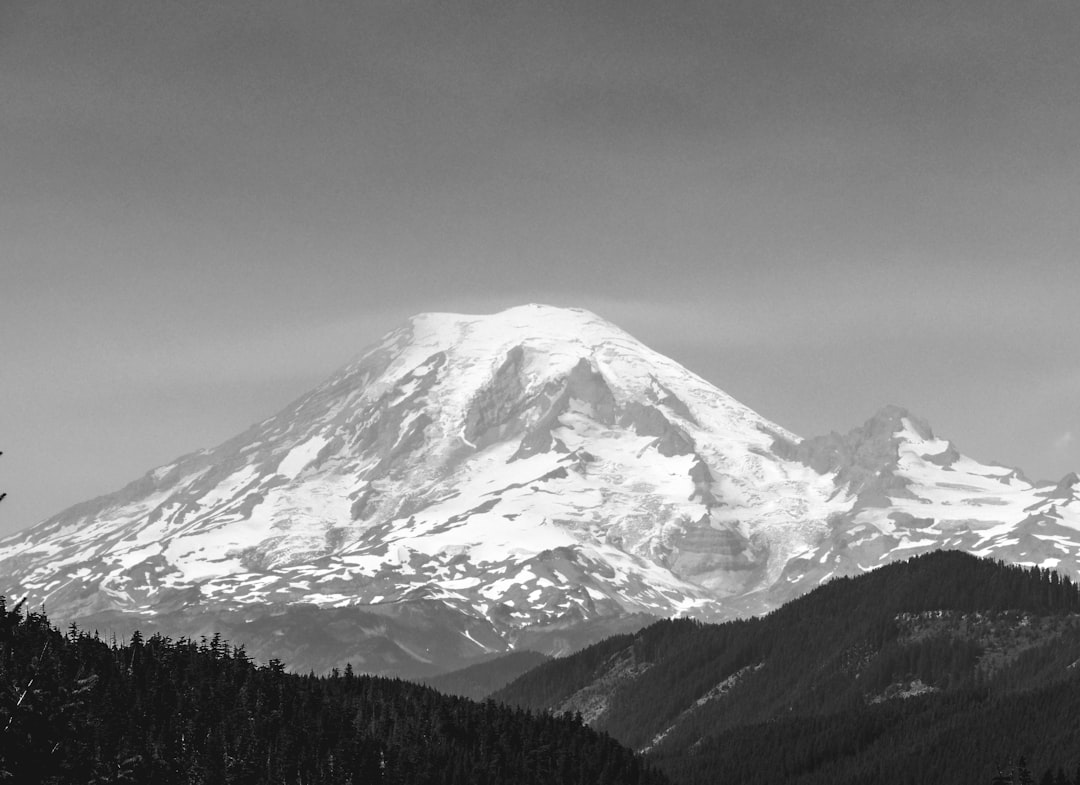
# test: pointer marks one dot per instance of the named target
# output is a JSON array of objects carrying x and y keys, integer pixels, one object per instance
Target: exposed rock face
[
  {"x": 494, "y": 409},
  {"x": 583, "y": 386},
  {"x": 866, "y": 458},
  {"x": 650, "y": 421},
  {"x": 536, "y": 476},
  {"x": 1065, "y": 489}
]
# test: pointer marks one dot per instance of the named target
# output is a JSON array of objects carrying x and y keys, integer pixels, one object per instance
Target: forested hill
[
  {"x": 937, "y": 669},
  {"x": 76, "y": 710},
  {"x": 481, "y": 680}
]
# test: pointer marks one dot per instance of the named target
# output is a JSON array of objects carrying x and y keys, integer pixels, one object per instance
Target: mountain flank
[
  {"x": 941, "y": 668},
  {"x": 535, "y": 479},
  {"x": 479, "y": 681}
]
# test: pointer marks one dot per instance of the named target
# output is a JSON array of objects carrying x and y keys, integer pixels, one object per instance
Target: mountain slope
[
  {"x": 536, "y": 470},
  {"x": 478, "y": 681},
  {"x": 535, "y": 479},
  {"x": 875, "y": 666},
  {"x": 914, "y": 492}
]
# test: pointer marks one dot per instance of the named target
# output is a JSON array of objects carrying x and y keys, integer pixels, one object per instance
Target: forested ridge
[
  {"x": 936, "y": 670},
  {"x": 480, "y": 680},
  {"x": 74, "y": 709}
]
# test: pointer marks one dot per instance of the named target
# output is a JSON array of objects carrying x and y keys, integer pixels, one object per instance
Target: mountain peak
[
  {"x": 1065, "y": 488},
  {"x": 534, "y": 318},
  {"x": 496, "y": 332},
  {"x": 536, "y": 466},
  {"x": 891, "y": 420},
  {"x": 866, "y": 459},
  {"x": 474, "y": 345}
]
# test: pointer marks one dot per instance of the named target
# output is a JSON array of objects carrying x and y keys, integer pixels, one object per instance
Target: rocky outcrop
[
  {"x": 493, "y": 413},
  {"x": 583, "y": 384},
  {"x": 650, "y": 421},
  {"x": 865, "y": 459}
]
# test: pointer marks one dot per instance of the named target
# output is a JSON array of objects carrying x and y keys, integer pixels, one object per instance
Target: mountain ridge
[
  {"x": 532, "y": 478},
  {"x": 854, "y": 681}
]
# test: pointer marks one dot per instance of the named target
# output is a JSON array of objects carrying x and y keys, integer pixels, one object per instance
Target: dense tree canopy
[
  {"x": 74, "y": 709},
  {"x": 940, "y": 669}
]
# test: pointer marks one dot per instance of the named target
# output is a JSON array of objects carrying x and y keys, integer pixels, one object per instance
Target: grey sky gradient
[{"x": 822, "y": 207}]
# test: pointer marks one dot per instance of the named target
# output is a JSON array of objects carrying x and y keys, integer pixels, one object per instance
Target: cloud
[{"x": 1064, "y": 441}]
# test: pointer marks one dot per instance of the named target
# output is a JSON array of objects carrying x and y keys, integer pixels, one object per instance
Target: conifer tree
[{"x": 1023, "y": 773}]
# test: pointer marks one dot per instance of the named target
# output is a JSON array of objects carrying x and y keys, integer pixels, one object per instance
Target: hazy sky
[{"x": 822, "y": 207}]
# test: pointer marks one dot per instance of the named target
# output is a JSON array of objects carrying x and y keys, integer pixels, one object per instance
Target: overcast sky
[{"x": 822, "y": 207}]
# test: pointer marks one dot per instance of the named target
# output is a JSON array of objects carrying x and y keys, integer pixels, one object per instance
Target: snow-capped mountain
[
  {"x": 909, "y": 492},
  {"x": 537, "y": 478}
]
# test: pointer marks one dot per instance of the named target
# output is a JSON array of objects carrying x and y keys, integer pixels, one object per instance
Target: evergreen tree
[{"x": 1023, "y": 773}]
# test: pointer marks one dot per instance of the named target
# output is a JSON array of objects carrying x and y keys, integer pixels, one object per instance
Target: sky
[{"x": 207, "y": 206}]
